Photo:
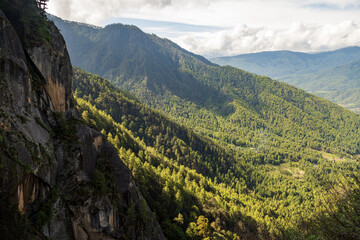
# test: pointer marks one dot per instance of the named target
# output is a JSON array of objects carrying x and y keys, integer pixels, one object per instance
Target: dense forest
[{"x": 198, "y": 188}]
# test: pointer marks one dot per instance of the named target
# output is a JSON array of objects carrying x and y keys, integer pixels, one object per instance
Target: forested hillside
[
  {"x": 332, "y": 75},
  {"x": 238, "y": 109},
  {"x": 197, "y": 188},
  {"x": 349, "y": 98},
  {"x": 339, "y": 84}
]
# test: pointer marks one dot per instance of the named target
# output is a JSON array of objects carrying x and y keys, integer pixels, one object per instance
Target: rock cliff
[
  {"x": 56, "y": 68},
  {"x": 59, "y": 179}
]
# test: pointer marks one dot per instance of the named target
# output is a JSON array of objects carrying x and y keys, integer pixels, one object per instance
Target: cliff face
[
  {"x": 59, "y": 179},
  {"x": 56, "y": 68}
]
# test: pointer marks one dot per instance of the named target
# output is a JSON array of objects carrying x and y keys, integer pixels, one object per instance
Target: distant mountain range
[{"x": 326, "y": 74}]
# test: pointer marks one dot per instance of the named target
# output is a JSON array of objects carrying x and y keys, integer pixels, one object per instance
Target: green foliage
[
  {"x": 203, "y": 228},
  {"x": 179, "y": 219},
  {"x": 87, "y": 120},
  {"x": 65, "y": 128},
  {"x": 30, "y": 24},
  {"x": 181, "y": 174},
  {"x": 45, "y": 212},
  {"x": 192, "y": 231},
  {"x": 99, "y": 181},
  {"x": 238, "y": 109},
  {"x": 340, "y": 219},
  {"x": 243, "y": 151},
  {"x": 150, "y": 126},
  {"x": 349, "y": 98},
  {"x": 138, "y": 157}
]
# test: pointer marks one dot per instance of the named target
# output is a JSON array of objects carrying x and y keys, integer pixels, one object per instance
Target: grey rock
[
  {"x": 56, "y": 68},
  {"x": 48, "y": 169}
]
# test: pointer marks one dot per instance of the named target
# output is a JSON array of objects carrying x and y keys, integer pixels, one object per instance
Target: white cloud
[
  {"x": 255, "y": 25},
  {"x": 209, "y": 12},
  {"x": 299, "y": 37},
  {"x": 332, "y": 4},
  {"x": 95, "y": 12}
]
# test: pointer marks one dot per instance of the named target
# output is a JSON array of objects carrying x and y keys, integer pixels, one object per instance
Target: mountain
[
  {"x": 323, "y": 74},
  {"x": 225, "y": 155},
  {"x": 339, "y": 84},
  {"x": 141, "y": 58},
  {"x": 218, "y": 102},
  {"x": 173, "y": 164},
  {"x": 349, "y": 98},
  {"x": 257, "y": 154},
  {"x": 196, "y": 187},
  {"x": 255, "y": 159},
  {"x": 59, "y": 178},
  {"x": 281, "y": 63},
  {"x": 337, "y": 78}
]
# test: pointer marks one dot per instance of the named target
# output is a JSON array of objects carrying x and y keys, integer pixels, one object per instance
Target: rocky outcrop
[
  {"x": 97, "y": 214},
  {"x": 13, "y": 66},
  {"x": 56, "y": 68},
  {"x": 59, "y": 179}
]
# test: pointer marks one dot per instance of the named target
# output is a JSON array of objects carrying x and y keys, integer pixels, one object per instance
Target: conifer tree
[{"x": 42, "y": 4}]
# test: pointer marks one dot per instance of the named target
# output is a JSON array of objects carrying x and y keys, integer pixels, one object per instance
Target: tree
[
  {"x": 341, "y": 219},
  {"x": 42, "y": 4},
  {"x": 192, "y": 231},
  {"x": 85, "y": 116},
  {"x": 203, "y": 226},
  {"x": 179, "y": 219}
]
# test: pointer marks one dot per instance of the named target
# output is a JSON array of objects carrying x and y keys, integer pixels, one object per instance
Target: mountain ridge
[
  {"x": 313, "y": 72},
  {"x": 302, "y": 62},
  {"x": 188, "y": 84}
]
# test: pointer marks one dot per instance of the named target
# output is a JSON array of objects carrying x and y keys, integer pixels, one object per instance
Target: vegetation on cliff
[{"x": 31, "y": 25}]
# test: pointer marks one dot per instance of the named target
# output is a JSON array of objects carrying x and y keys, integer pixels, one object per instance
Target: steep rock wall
[
  {"x": 51, "y": 165},
  {"x": 55, "y": 66}
]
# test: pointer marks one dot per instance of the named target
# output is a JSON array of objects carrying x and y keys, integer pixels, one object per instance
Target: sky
[{"x": 229, "y": 27}]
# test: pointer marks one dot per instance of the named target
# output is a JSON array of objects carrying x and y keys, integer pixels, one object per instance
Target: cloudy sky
[{"x": 229, "y": 27}]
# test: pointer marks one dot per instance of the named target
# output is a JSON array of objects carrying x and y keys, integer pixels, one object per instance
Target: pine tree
[{"x": 42, "y": 4}]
